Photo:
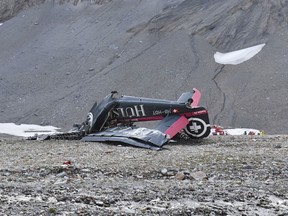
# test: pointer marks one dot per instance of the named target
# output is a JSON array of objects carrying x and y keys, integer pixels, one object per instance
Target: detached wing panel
[
  {"x": 116, "y": 139},
  {"x": 172, "y": 124},
  {"x": 140, "y": 137}
]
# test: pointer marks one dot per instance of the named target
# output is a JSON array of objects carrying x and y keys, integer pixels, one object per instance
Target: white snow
[
  {"x": 26, "y": 130},
  {"x": 21, "y": 198},
  {"x": 239, "y": 56},
  {"x": 240, "y": 131},
  {"x": 1, "y": 24}
]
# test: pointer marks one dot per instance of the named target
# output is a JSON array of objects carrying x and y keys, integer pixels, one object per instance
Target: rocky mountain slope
[{"x": 58, "y": 57}]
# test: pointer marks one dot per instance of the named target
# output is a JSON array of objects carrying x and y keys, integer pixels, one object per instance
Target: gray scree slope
[{"x": 57, "y": 58}]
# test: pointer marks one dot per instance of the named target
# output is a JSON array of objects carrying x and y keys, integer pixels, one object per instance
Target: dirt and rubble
[{"x": 221, "y": 175}]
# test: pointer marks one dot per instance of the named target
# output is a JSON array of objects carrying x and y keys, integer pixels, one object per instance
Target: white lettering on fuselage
[
  {"x": 135, "y": 111},
  {"x": 161, "y": 112}
]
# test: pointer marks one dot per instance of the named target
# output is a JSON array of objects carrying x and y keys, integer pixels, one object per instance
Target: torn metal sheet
[{"x": 139, "y": 137}]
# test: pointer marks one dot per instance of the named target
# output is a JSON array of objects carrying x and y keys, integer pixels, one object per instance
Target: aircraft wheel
[
  {"x": 88, "y": 123},
  {"x": 197, "y": 128}
]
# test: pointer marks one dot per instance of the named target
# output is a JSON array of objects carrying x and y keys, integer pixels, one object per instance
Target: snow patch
[
  {"x": 1, "y": 24},
  {"x": 218, "y": 130},
  {"x": 239, "y": 56},
  {"x": 241, "y": 131},
  {"x": 26, "y": 130}
]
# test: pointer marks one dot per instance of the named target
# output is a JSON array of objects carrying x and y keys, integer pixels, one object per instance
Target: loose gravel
[{"x": 221, "y": 175}]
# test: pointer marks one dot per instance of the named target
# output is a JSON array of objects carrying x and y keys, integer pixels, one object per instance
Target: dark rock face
[
  {"x": 58, "y": 57},
  {"x": 9, "y": 8},
  {"x": 226, "y": 25}
]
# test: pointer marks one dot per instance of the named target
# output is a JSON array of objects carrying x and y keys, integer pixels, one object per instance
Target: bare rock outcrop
[
  {"x": 9, "y": 8},
  {"x": 226, "y": 25}
]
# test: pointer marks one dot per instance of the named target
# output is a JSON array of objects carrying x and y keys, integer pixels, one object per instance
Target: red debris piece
[
  {"x": 68, "y": 162},
  {"x": 217, "y": 130}
]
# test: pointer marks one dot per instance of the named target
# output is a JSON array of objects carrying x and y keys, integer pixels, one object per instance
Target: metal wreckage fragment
[{"x": 114, "y": 118}]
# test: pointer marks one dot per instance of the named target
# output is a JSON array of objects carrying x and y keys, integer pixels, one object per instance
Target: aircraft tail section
[{"x": 191, "y": 98}]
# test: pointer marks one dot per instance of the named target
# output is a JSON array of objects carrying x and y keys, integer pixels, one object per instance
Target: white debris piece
[
  {"x": 26, "y": 130},
  {"x": 239, "y": 56}
]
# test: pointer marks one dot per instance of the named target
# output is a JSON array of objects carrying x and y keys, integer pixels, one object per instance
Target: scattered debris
[
  {"x": 219, "y": 130},
  {"x": 67, "y": 162}
]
